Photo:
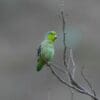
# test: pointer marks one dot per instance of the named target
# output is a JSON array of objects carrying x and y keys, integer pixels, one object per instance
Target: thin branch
[
  {"x": 64, "y": 39},
  {"x": 65, "y": 52},
  {"x": 58, "y": 68},
  {"x": 71, "y": 86},
  {"x": 72, "y": 73},
  {"x": 87, "y": 81},
  {"x": 73, "y": 63}
]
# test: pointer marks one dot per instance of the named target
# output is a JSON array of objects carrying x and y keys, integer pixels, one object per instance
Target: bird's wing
[{"x": 39, "y": 51}]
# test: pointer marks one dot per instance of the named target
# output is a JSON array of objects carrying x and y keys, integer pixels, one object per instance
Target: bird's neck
[{"x": 50, "y": 41}]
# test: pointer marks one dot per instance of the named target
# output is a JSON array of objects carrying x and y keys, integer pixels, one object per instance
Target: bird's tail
[{"x": 40, "y": 65}]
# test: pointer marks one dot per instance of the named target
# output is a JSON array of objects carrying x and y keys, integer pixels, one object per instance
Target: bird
[{"x": 45, "y": 51}]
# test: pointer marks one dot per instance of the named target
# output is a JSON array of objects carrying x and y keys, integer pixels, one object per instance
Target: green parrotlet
[{"x": 45, "y": 51}]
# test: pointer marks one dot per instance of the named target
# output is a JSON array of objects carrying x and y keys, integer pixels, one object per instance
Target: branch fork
[{"x": 69, "y": 71}]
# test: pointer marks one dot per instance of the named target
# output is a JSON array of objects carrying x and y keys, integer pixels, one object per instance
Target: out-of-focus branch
[
  {"x": 71, "y": 73},
  {"x": 73, "y": 63},
  {"x": 58, "y": 68},
  {"x": 64, "y": 39},
  {"x": 87, "y": 81},
  {"x": 68, "y": 61},
  {"x": 65, "y": 53},
  {"x": 70, "y": 85}
]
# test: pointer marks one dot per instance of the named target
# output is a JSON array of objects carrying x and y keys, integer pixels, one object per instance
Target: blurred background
[{"x": 23, "y": 25}]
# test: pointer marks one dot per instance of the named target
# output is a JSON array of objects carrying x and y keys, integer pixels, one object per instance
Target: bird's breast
[{"x": 48, "y": 52}]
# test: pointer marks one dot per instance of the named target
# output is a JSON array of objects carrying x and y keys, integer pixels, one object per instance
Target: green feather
[{"x": 40, "y": 64}]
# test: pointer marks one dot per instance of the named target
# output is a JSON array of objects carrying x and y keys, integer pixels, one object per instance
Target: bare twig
[
  {"x": 64, "y": 39},
  {"x": 66, "y": 64},
  {"x": 71, "y": 86},
  {"x": 71, "y": 74},
  {"x": 73, "y": 63},
  {"x": 87, "y": 81},
  {"x": 65, "y": 53},
  {"x": 58, "y": 68}
]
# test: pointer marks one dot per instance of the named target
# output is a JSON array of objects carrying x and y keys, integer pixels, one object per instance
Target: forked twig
[
  {"x": 87, "y": 81},
  {"x": 70, "y": 85}
]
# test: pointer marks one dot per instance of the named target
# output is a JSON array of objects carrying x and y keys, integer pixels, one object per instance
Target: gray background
[{"x": 23, "y": 24}]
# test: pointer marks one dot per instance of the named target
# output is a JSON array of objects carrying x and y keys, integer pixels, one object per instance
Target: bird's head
[{"x": 52, "y": 36}]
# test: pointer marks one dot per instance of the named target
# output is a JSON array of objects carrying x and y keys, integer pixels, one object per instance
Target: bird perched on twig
[{"x": 46, "y": 50}]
